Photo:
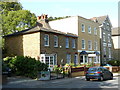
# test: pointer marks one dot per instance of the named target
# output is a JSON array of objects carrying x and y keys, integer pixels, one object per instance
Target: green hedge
[
  {"x": 25, "y": 66},
  {"x": 114, "y": 62}
]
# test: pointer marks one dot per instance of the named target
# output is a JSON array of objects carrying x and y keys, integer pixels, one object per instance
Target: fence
[{"x": 80, "y": 71}]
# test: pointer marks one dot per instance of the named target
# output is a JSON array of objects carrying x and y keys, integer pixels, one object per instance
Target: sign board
[
  {"x": 91, "y": 55},
  {"x": 44, "y": 75}
]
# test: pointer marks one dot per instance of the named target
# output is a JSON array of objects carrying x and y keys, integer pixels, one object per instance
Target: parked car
[{"x": 100, "y": 73}]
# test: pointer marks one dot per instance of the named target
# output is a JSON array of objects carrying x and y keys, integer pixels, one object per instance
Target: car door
[{"x": 107, "y": 73}]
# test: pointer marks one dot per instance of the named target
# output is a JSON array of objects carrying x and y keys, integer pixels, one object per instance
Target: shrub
[
  {"x": 114, "y": 62},
  {"x": 25, "y": 66}
]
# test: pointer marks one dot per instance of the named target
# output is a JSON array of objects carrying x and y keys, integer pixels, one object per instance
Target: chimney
[{"x": 43, "y": 21}]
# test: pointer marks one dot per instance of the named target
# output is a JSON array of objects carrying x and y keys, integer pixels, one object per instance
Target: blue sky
[{"x": 84, "y": 8}]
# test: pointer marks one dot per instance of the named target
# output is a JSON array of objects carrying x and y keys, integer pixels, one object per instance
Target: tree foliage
[
  {"x": 114, "y": 62},
  {"x": 10, "y": 6},
  {"x": 14, "y": 18},
  {"x": 56, "y": 18},
  {"x": 17, "y": 21}
]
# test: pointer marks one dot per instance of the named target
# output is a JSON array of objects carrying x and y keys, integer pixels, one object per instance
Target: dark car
[{"x": 100, "y": 73}]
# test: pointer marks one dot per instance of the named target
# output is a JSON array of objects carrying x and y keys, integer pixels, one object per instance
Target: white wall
[
  {"x": 69, "y": 25},
  {"x": 116, "y": 42}
]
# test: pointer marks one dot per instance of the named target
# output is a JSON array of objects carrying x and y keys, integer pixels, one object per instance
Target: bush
[
  {"x": 114, "y": 62},
  {"x": 25, "y": 66}
]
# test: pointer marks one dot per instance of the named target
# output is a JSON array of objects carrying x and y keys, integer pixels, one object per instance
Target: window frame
[
  {"x": 89, "y": 44},
  {"x": 46, "y": 40},
  {"x": 89, "y": 29},
  {"x": 83, "y": 43},
  {"x": 55, "y": 40},
  {"x": 73, "y": 43},
  {"x": 67, "y": 42},
  {"x": 83, "y": 27},
  {"x": 95, "y": 30},
  {"x": 68, "y": 58}
]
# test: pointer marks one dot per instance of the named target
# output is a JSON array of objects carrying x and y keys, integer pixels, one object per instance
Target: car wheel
[
  {"x": 87, "y": 79},
  {"x": 101, "y": 78}
]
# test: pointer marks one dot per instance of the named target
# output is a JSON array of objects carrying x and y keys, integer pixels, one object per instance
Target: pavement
[
  {"x": 24, "y": 82},
  {"x": 116, "y": 74}
]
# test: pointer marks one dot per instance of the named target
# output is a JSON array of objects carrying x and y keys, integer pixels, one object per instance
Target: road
[{"x": 77, "y": 82}]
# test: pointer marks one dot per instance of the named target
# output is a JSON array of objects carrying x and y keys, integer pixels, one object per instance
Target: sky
[{"x": 84, "y": 8}]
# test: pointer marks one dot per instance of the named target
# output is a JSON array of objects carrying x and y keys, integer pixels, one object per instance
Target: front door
[{"x": 49, "y": 60}]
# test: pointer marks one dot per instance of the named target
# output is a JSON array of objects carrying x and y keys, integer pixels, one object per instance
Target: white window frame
[
  {"x": 104, "y": 50},
  {"x": 83, "y": 43},
  {"x": 73, "y": 43},
  {"x": 45, "y": 40},
  {"x": 89, "y": 45},
  {"x": 89, "y": 29},
  {"x": 68, "y": 58},
  {"x": 76, "y": 59},
  {"x": 104, "y": 38},
  {"x": 83, "y": 27},
  {"x": 95, "y": 45},
  {"x": 95, "y": 30},
  {"x": 67, "y": 42},
  {"x": 55, "y": 41}
]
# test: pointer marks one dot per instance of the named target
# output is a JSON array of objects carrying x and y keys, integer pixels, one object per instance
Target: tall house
[
  {"x": 116, "y": 43},
  {"x": 105, "y": 38},
  {"x": 88, "y": 37}
]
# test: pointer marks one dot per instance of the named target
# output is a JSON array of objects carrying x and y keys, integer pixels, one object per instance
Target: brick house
[
  {"x": 88, "y": 37},
  {"x": 43, "y": 43}
]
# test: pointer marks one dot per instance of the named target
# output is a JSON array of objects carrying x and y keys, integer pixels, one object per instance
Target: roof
[
  {"x": 100, "y": 19},
  {"x": 37, "y": 28},
  {"x": 116, "y": 31}
]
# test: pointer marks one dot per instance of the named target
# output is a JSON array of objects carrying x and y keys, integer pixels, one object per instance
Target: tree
[
  {"x": 15, "y": 19},
  {"x": 56, "y": 18}
]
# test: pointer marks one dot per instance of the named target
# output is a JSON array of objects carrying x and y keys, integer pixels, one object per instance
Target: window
[
  {"x": 68, "y": 58},
  {"x": 55, "y": 59},
  {"x": 104, "y": 50},
  {"x": 67, "y": 42},
  {"x": 76, "y": 59},
  {"x": 89, "y": 29},
  {"x": 81, "y": 59},
  {"x": 46, "y": 40},
  {"x": 95, "y": 31},
  {"x": 108, "y": 37},
  {"x": 83, "y": 28},
  {"x": 89, "y": 45},
  {"x": 86, "y": 59},
  {"x": 83, "y": 44},
  {"x": 95, "y": 59},
  {"x": 103, "y": 37},
  {"x": 55, "y": 41},
  {"x": 73, "y": 43},
  {"x": 95, "y": 45},
  {"x": 109, "y": 53}
]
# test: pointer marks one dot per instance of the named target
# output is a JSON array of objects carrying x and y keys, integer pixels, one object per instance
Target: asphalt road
[{"x": 77, "y": 82}]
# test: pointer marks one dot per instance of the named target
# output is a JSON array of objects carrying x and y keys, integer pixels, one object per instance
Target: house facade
[
  {"x": 105, "y": 38},
  {"x": 43, "y": 43},
  {"x": 88, "y": 37},
  {"x": 116, "y": 43}
]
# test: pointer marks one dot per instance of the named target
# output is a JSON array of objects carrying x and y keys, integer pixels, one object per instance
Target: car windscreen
[{"x": 92, "y": 69}]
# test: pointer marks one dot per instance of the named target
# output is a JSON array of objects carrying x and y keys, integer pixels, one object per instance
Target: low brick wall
[
  {"x": 78, "y": 71},
  {"x": 113, "y": 68}
]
